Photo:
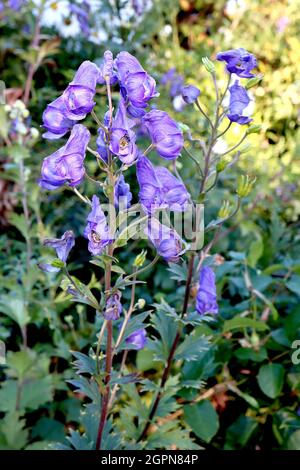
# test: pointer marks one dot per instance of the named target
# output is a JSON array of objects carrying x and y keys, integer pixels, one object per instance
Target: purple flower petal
[
  {"x": 96, "y": 230},
  {"x": 206, "y": 301},
  {"x": 164, "y": 133},
  {"x": 238, "y": 61},
  {"x": 65, "y": 166},
  {"x": 159, "y": 188}
]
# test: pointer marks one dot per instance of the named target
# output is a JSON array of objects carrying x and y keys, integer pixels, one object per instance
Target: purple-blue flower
[
  {"x": 174, "y": 80},
  {"x": 82, "y": 13},
  {"x": 113, "y": 307},
  {"x": 96, "y": 230},
  {"x": 137, "y": 86},
  {"x": 107, "y": 69},
  {"x": 140, "y": 6},
  {"x": 79, "y": 95},
  {"x": 122, "y": 139},
  {"x": 165, "y": 134},
  {"x": 239, "y": 100},
  {"x": 16, "y": 4},
  {"x": 102, "y": 147},
  {"x": 65, "y": 166},
  {"x": 159, "y": 188},
  {"x": 62, "y": 245},
  {"x": 74, "y": 104},
  {"x": 190, "y": 94},
  {"x": 166, "y": 240},
  {"x": 123, "y": 195},
  {"x": 206, "y": 301},
  {"x": 55, "y": 121},
  {"x": 238, "y": 61},
  {"x": 138, "y": 339}
]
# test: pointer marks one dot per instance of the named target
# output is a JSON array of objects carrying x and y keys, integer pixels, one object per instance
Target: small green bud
[
  {"x": 109, "y": 190},
  {"x": 222, "y": 163},
  {"x": 224, "y": 210},
  {"x": 141, "y": 303},
  {"x": 208, "y": 64},
  {"x": 244, "y": 148},
  {"x": 255, "y": 129},
  {"x": 57, "y": 263},
  {"x": 253, "y": 81},
  {"x": 183, "y": 127},
  {"x": 201, "y": 198},
  {"x": 140, "y": 259},
  {"x": 34, "y": 133},
  {"x": 245, "y": 185},
  {"x": 25, "y": 113},
  {"x": 69, "y": 319},
  {"x": 254, "y": 339}
]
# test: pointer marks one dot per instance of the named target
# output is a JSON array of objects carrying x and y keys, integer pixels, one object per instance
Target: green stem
[
  {"x": 137, "y": 273},
  {"x": 204, "y": 113},
  {"x": 235, "y": 146}
]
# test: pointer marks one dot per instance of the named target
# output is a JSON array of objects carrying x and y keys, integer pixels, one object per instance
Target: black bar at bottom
[{"x": 134, "y": 459}]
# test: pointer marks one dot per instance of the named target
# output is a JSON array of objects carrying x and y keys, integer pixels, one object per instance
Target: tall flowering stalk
[{"x": 117, "y": 148}]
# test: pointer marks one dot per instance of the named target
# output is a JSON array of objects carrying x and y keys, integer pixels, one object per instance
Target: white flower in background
[
  {"x": 220, "y": 146},
  {"x": 74, "y": 18},
  {"x": 235, "y": 7},
  {"x": 166, "y": 31},
  {"x": 70, "y": 27},
  {"x": 98, "y": 35},
  {"x": 53, "y": 12},
  {"x": 126, "y": 13}
]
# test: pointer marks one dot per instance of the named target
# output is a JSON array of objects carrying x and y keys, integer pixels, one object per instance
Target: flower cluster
[
  {"x": 19, "y": 118},
  {"x": 62, "y": 246},
  {"x": 86, "y": 17},
  {"x": 117, "y": 143},
  {"x": 118, "y": 148},
  {"x": 14, "y": 5},
  {"x": 240, "y": 63},
  {"x": 180, "y": 93}
]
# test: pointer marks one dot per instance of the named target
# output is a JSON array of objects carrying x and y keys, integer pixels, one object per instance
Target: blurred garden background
[{"x": 250, "y": 382}]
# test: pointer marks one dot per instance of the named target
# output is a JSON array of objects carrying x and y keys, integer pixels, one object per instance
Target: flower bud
[
  {"x": 140, "y": 259},
  {"x": 183, "y": 127},
  {"x": 34, "y": 133},
  {"x": 190, "y": 94},
  {"x": 245, "y": 185},
  {"x": 254, "y": 339},
  {"x": 25, "y": 113},
  {"x": 137, "y": 339},
  {"x": 244, "y": 148},
  {"x": 141, "y": 303},
  {"x": 255, "y": 129},
  {"x": 19, "y": 104},
  {"x": 253, "y": 81},
  {"x": 7, "y": 108},
  {"x": 222, "y": 163},
  {"x": 208, "y": 64},
  {"x": 224, "y": 210},
  {"x": 113, "y": 308}
]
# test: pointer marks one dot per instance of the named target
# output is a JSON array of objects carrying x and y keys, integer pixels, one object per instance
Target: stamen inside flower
[
  {"x": 96, "y": 237},
  {"x": 124, "y": 141}
]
